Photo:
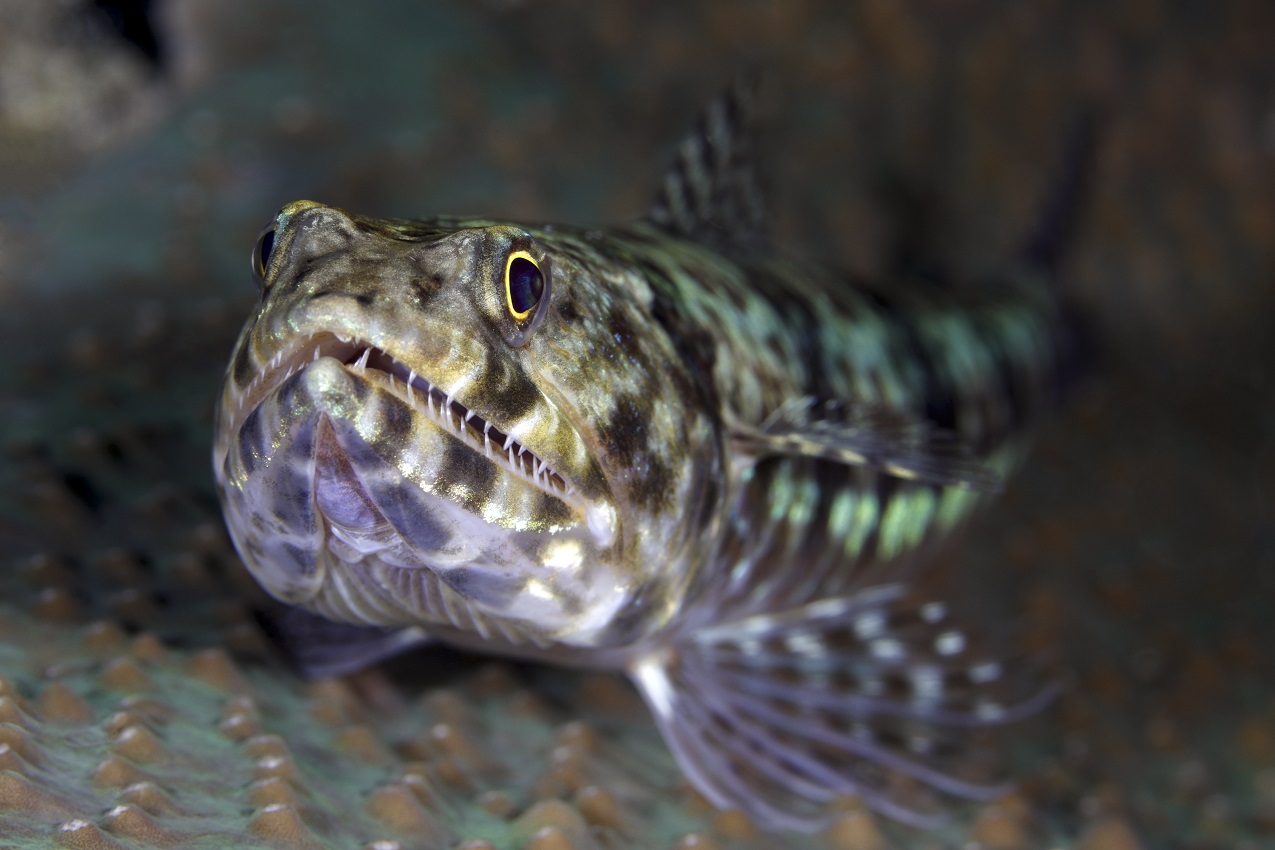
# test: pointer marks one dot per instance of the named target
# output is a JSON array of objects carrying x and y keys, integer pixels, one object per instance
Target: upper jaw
[{"x": 447, "y": 411}]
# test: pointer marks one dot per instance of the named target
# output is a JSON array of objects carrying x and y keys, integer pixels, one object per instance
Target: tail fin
[
  {"x": 1077, "y": 344},
  {"x": 1056, "y": 224},
  {"x": 871, "y": 695}
]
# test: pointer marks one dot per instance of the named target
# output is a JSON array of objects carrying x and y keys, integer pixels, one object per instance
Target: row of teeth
[
  {"x": 259, "y": 379},
  {"x": 441, "y": 407}
]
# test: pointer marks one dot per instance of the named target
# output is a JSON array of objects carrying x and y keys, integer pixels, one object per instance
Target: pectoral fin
[
  {"x": 895, "y": 442},
  {"x": 323, "y": 648},
  {"x": 780, "y": 714}
]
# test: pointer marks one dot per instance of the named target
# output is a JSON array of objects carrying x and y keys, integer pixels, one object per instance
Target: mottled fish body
[{"x": 654, "y": 447}]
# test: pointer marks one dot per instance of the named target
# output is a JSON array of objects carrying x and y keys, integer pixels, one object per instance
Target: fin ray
[
  {"x": 893, "y": 441},
  {"x": 795, "y": 726},
  {"x": 867, "y": 695},
  {"x": 711, "y": 193}
]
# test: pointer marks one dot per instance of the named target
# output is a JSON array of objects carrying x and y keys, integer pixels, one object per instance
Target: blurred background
[{"x": 144, "y": 144}]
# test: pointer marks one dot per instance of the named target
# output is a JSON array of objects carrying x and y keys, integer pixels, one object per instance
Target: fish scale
[{"x": 659, "y": 447}]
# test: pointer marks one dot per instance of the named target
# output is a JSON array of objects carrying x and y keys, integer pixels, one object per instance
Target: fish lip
[{"x": 372, "y": 363}]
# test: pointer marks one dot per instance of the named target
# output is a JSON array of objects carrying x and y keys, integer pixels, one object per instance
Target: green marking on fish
[{"x": 658, "y": 447}]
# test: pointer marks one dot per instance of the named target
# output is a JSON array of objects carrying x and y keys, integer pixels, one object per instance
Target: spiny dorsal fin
[{"x": 711, "y": 193}]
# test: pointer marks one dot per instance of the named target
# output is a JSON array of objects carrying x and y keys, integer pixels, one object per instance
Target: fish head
[{"x": 419, "y": 426}]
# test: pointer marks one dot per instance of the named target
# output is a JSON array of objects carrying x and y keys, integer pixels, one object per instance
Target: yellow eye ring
[
  {"x": 261, "y": 254},
  {"x": 524, "y": 285}
]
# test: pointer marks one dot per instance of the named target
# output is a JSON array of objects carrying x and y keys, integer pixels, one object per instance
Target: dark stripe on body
[
  {"x": 694, "y": 344},
  {"x": 940, "y": 402}
]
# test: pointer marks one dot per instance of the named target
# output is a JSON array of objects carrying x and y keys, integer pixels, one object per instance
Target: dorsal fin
[{"x": 711, "y": 192}]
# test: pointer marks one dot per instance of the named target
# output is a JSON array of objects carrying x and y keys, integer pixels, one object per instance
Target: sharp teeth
[{"x": 521, "y": 461}]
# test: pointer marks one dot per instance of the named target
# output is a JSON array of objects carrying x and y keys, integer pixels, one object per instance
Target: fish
[{"x": 662, "y": 447}]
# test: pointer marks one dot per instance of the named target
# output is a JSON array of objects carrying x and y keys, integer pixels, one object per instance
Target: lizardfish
[{"x": 661, "y": 447}]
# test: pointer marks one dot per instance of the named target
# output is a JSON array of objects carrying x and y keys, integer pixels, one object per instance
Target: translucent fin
[
  {"x": 895, "y": 442},
  {"x": 711, "y": 192},
  {"x": 872, "y": 695},
  {"x": 323, "y": 648}
]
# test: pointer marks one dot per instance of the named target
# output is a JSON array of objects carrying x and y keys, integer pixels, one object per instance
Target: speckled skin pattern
[
  {"x": 653, "y": 354},
  {"x": 1136, "y": 540}
]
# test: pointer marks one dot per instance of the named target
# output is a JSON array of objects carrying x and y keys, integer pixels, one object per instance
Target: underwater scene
[{"x": 716, "y": 425}]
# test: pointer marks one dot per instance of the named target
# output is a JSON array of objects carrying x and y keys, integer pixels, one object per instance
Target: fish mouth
[{"x": 376, "y": 365}]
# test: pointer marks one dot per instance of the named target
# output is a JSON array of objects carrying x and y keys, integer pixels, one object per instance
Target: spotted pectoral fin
[
  {"x": 895, "y": 442},
  {"x": 873, "y": 695},
  {"x": 322, "y": 648}
]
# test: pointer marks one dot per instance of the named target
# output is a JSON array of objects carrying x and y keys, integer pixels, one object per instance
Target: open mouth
[{"x": 426, "y": 399}]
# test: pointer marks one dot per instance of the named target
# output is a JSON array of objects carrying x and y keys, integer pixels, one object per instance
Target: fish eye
[
  {"x": 524, "y": 285},
  {"x": 261, "y": 255}
]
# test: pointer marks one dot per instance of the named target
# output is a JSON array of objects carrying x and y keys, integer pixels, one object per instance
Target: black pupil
[
  {"x": 264, "y": 246},
  {"x": 525, "y": 285}
]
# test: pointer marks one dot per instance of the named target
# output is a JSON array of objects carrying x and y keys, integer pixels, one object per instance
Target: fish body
[{"x": 655, "y": 447}]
